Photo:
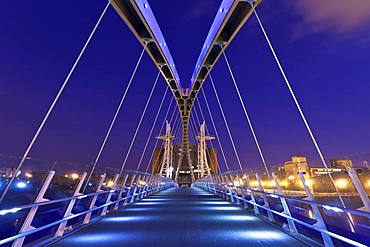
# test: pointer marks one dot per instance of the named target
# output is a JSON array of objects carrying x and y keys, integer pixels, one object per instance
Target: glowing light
[
  {"x": 272, "y": 183},
  {"x": 21, "y": 185},
  {"x": 341, "y": 183},
  {"x": 237, "y": 218},
  {"x": 224, "y": 208},
  {"x": 291, "y": 177},
  {"x": 74, "y": 176},
  {"x": 125, "y": 219},
  {"x": 309, "y": 182},
  {"x": 100, "y": 238},
  {"x": 268, "y": 235},
  {"x": 310, "y": 214},
  {"x": 254, "y": 183},
  {"x": 66, "y": 176},
  {"x": 236, "y": 183},
  {"x": 7, "y": 211},
  {"x": 335, "y": 209},
  {"x": 28, "y": 175},
  {"x": 284, "y": 183},
  {"x": 110, "y": 184}
]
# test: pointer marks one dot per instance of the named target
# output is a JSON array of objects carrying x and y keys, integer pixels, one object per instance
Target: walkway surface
[{"x": 180, "y": 217}]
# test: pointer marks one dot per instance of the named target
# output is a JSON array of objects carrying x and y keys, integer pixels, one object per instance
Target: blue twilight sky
[{"x": 324, "y": 47}]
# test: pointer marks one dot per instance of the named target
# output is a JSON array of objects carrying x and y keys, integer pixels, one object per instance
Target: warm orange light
[
  {"x": 254, "y": 183},
  {"x": 272, "y": 183},
  {"x": 74, "y": 176},
  {"x": 309, "y": 182},
  {"x": 284, "y": 183},
  {"x": 291, "y": 177},
  {"x": 28, "y": 175},
  {"x": 236, "y": 183},
  {"x": 110, "y": 184},
  {"x": 341, "y": 183}
]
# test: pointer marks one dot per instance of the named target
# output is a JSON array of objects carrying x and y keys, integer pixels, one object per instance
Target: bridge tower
[
  {"x": 203, "y": 166},
  {"x": 167, "y": 166}
]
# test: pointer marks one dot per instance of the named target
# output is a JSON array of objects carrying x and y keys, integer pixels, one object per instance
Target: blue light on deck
[
  {"x": 126, "y": 219},
  {"x": 263, "y": 235},
  {"x": 237, "y": 218},
  {"x": 101, "y": 238},
  {"x": 224, "y": 208},
  {"x": 148, "y": 203},
  {"x": 21, "y": 185},
  {"x": 7, "y": 211}
]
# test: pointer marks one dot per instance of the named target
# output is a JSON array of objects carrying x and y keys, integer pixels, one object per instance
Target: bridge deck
[{"x": 180, "y": 217}]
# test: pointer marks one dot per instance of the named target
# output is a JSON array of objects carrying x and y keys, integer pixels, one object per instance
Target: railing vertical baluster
[
  {"x": 27, "y": 223},
  {"x": 253, "y": 198},
  {"x": 123, "y": 189},
  {"x": 291, "y": 224},
  {"x": 114, "y": 187},
  {"x": 360, "y": 190},
  {"x": 93, "y": 200},
  {"x": 266, "y": 202},
  {"x": 328, "y": 242},
  {"x": 68, "y": 211}
]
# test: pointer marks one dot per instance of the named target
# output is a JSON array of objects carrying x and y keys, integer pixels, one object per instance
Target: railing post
[
  {"x": 146, "y": 186},
  {"x": 68, "y": 212},
  {"x": 93, "y": 200},
  {"x": 121, "y": 192},
  {"x": 266, "y": 203},
  {"x": 114, "y": 187},
  {"x": 360, "y": 190},
  {"x": 328, "y": 242},
  {"x": 253, "y": 198},
  {"x": 27, "y": 223},
  {"x": 291, "y": 224}
]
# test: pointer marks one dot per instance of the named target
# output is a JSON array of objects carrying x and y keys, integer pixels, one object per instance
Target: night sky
[{"x": 324, "y": 49}]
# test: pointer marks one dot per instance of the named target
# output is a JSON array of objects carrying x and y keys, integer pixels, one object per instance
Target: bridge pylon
[
  {"x": 167, "y": 160},
  {"x": 203, "y": 167}
]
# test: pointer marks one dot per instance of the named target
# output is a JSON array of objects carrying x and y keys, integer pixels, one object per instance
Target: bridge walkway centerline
[{"x": 180, "y": 217}]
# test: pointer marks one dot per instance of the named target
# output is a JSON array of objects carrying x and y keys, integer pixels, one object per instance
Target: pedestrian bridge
[
  {"x": 181, "y": 217},
  {"x": 185, "y": 203}
]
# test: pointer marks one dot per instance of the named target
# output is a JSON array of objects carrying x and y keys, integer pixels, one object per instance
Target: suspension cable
[
  {"x": 114, "y": 119},
  {"x": 160, "y": 131},
  {"x": 247, "y": 115},
  {"x": 226, "y": 123},
  {"x": 216, "y": 132},
  {"x": 46, "y": 117},
  {"x": 151, "y": 130},
  {"x": 298, "y": 106},
  {"x": 139, "y": 124}
]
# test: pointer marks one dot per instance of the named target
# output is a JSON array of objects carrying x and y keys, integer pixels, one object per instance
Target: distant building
[
  {"x": 343, "y": 164},
  {"x": 297, "y": 164}
]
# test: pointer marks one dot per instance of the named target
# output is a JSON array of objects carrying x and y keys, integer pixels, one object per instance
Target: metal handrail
[
  {"x": 205, "y": 185},
  {"x": 152, "y": 188},
  {"x": 348, "y": 210}
]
